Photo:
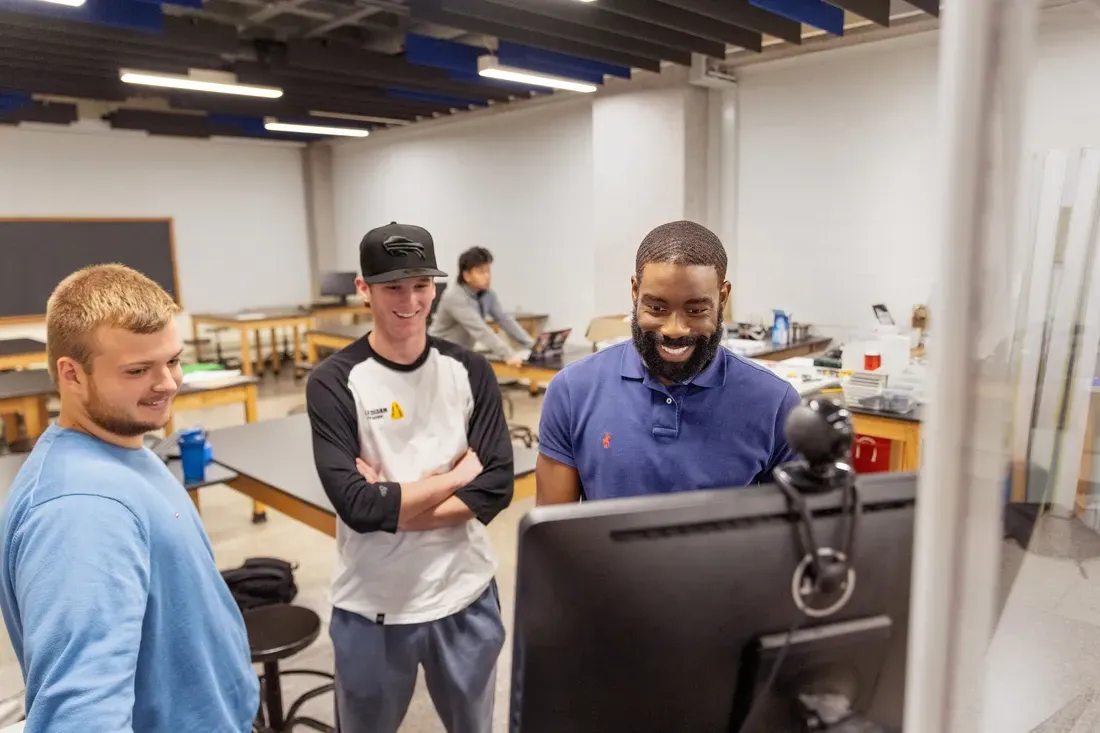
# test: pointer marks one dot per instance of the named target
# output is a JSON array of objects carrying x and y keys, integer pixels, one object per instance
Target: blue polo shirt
[{"x": 627, "y": 434}]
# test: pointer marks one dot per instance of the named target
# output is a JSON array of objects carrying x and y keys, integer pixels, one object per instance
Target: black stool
[{"x": 279, "y": 632}]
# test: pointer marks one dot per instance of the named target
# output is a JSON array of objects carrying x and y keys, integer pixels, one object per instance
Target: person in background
[
  {"x": 671, "y": 410},
  {"x": 463, "y": 310},
  {"x": 412, "y": 448},
  {"x": 118, "y": 616}
]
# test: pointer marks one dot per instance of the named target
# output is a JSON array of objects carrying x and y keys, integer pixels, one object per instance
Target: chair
[{"x": 276, "y": 633}]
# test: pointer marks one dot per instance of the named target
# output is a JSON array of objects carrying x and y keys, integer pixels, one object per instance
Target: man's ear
[
  {"x": 724, "y": 295},
  {"x": 69, "y": 372},
  {"x": 364, "y": 289},
  {"x": 633, "y": 289}
]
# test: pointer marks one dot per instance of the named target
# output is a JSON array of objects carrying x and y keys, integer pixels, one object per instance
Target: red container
[
  {"x": 872, "y": 360},
  {"x": 870, "y": 455}
]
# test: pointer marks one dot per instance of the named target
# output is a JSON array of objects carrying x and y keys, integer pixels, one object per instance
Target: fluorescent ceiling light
[
  {"x": 195, "y": 84},
  {"x": 487, "y": 66},
  {"x": 315, "y": 129},
  {"x": 70, "y": 3},
  {"x": 360, "y": 118}
]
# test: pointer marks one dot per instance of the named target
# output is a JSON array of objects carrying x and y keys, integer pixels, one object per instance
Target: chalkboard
[{"x": 37, "y": 254}]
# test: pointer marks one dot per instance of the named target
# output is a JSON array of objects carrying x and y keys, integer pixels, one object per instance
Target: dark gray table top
[
  {"x": 279, "y": 453},
  {"x": 25, "y": 383},
  {"x": 915, "y": 415},
  {"x": 11, "y": 463},
  {"x": 12, "y": 347},
  {"x": 31, "y": 382},
  {"x": 350, "y": 331}
]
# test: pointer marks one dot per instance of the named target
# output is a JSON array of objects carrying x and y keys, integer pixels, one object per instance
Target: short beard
[
  {"x": 646, "y": 342},
  {"x": 114, "y": 422}
]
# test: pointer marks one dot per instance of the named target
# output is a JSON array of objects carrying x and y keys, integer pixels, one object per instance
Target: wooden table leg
[
  {"x": 36, "y": 418},
  {"x": 246, "y": 355},
  {"x": 11, "y": 426},
  {"x": 195, "y": 339},
  {"x": 260, "y": 366},
  {"x": 311, "y": 351},
  {"x": 194, "y": 494},
  {"x": 275, "y": 360},
  {"x": 297, "y": 353},
  {"x": 251, "y": 414}
]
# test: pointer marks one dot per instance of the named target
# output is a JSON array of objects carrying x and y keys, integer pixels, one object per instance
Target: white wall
[
  {"x": 519, "y": 183},
  {"x": 649, "y": 168},
  {"x": 835, "y": 162},
  {"x": 238, "y": 206},
  {"x": 836, "y": 156}
]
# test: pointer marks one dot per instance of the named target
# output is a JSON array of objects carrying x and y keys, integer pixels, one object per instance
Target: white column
[
  {"x": 320, "y": 215},
  {"x": 985, "y": 49}
]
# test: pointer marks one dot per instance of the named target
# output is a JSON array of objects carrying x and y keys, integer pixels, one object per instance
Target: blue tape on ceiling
[
  {"x": 243, "y": 123},
  {"x": 517, "y": 54},
  {"x": 441, "y": 54},
  {"x": 819, "y": 14},
  {"x": 14, "y": 100},
  {"x": 129, "y": 14},
  {"x": 541, "y": 66},
  {"x": 414, "y": 96}
]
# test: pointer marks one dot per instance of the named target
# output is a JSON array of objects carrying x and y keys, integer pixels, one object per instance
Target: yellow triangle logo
[{"x": 395, "y": 411}]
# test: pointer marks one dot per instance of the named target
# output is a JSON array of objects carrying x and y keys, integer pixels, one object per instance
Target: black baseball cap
[{"x": 397, "y": 251}]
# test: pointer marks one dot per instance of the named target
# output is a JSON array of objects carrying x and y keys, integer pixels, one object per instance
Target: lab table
[
  {"x": 274, "y": 463},
  {"x": 258, "y": 320},
  {"x": 215, "y": 474},
  {"x": 902, "y": 430},
  {"x": 22, "y": 353}
]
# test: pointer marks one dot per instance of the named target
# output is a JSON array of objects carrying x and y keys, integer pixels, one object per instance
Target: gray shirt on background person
[{"x": 461, "y": 319}]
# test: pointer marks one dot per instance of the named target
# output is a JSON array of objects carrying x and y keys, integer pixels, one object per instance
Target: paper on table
[{"x": 210, "y": 376}]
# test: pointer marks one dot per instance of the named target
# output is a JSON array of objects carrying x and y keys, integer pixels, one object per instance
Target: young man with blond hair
[
  {"x": 117, "y": 613},
  {"x": 411, "y": 446}
]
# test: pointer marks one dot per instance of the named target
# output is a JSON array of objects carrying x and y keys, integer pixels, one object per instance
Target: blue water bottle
[
  {"x": 781, "y": 328},
  {"x": 193, "y": 455}
]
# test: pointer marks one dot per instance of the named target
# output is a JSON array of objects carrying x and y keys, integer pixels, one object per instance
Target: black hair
[
  {"x": 471, "y": 258},
  {"x": 682, "y": 243}
]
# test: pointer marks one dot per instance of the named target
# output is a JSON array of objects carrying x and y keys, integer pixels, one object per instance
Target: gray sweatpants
[{"x": 376, "y": 668}]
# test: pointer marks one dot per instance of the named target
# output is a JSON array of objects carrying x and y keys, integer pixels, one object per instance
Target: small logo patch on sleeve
[
  {"x": 396, "y": 412},
  {"x": 607, "y": 440}
]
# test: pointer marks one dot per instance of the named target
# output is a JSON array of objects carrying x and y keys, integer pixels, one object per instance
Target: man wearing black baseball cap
[{"x": 412, "y": 448}]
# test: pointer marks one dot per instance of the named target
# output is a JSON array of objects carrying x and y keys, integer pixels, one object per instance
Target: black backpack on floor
[{"x": 262, "y": 581}]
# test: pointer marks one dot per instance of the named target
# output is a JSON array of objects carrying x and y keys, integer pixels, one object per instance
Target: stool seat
[{"x": 280, "y": 631}]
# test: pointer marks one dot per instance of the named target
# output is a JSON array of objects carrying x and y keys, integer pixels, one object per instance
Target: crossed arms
[{"x": 480, "y": 483}]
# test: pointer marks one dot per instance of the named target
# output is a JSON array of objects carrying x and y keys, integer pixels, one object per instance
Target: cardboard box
[{"x": 608, "y": 328}]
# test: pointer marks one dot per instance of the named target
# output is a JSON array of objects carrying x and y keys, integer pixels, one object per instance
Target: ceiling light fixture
[
  {"x": 360, "y": 118},
  {"x": 70, "y": 3},
  {"x": 315, "y": 129},
  {"x": 199, "y": 82},
  {"x": 488, "y": 66}
]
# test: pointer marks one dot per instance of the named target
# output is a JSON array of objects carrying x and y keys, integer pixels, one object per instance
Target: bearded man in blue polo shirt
[{"x": 670, "y": 410}]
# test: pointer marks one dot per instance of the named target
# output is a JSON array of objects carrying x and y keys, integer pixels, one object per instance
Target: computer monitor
[
  {"x": 667, "y": 614},
  {"x": 338, "y": 284}
]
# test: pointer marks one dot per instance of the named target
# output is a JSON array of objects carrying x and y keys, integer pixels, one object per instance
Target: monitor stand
[{"x": 813, "y": 680}]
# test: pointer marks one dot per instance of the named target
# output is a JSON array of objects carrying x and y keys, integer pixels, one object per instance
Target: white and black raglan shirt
[{"x": 408, "y": 422}]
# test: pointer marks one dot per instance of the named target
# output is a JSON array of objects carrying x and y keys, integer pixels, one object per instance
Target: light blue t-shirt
[{"x": 118, "y": 615}]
